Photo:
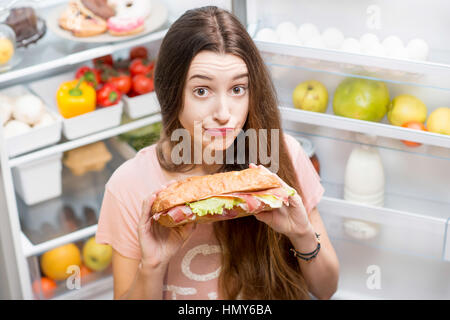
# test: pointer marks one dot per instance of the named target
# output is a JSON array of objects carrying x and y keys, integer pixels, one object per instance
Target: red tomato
[
  {"x": 44, "y": 286},
  {"x": 413, "y": 125},
  {"x": 91, "y": 76},
  {"x": 108, "y": 95},
  {"x": 105, "y": 60},
  {"x": 143, "y": 84},
  {"x": 139, "y": 66},
  {"x": 122, "y": 81},
  {"x": 139, "y": 52}
]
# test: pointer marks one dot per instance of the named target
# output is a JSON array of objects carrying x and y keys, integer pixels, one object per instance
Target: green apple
[
  {"x": 439, "y": 121},
  {"x": 406, "y": 108},
  {"x": 310, "y": 95},
  {"x": 361, "y": 99},
  {"x": 96, "y": 256}
]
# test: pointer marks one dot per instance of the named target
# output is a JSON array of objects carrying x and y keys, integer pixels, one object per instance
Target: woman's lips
[{"x": 219, "y": 131}]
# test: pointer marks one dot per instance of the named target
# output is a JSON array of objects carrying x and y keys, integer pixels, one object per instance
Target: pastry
[
  {"x": 121, "y": 26},
  {"x": 72, "y": 19},
  {"x": 92, "y": 157},
  {"x": 130, "y": 16},
  {"x": 23, "y": 21},
  {"x": 98, "y": 8},
  {"x": 131, "y": 8}
]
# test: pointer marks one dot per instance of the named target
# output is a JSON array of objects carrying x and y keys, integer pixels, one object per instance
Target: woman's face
[{"x": 215, "y": 99}]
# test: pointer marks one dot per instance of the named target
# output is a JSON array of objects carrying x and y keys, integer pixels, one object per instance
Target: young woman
[{"x": 209, "y": 72}]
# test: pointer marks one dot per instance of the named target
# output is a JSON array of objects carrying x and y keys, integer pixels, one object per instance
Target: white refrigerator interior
[{"x": 386, "y": 205}]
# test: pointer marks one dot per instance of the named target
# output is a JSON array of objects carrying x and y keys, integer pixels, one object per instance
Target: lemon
[
  {"x": 439, "y": 121},
  {"x": 6, "y": 50}
]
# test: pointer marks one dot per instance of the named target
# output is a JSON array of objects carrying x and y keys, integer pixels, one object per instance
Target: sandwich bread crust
[{"x": 200, "y": 187}]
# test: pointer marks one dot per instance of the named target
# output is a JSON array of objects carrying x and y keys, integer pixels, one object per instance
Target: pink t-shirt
[{"x": 194, "y": 271}]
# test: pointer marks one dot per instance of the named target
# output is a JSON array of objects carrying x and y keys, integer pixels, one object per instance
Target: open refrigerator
[{"x": 396, "y": 249}]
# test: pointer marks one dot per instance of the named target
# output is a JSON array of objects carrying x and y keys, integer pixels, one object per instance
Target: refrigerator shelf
[
  {"x": 72, "y": 144},
  {"x": 405, "y": 224},
  {"x": 72, "y": 216},
  {"x": 289, "y": 113},
  {"x": 337, "y": 61},
  {"x": 372, "y": 273},
  {"x": 53, "y": 52},
  {"x": 101, "y": 289}
]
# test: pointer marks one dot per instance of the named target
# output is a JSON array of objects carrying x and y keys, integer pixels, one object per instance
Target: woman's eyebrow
[
  {"x": 243, "y": 75},
  {"x": 200, "y": 76}
]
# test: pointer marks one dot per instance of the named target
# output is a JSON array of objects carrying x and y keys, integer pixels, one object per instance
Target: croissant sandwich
[{"x": 220, "y": 196}]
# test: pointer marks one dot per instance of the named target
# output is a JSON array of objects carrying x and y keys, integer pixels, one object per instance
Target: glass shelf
[
  {"x": 399, "y": 276},
  {"x": 287, "y": 77},
  {"x": 45, "y": 225},
  {"x": 350, "y": 19},
  {"x": 389, "y": 227},
  {"x": 53, "y": 52}
]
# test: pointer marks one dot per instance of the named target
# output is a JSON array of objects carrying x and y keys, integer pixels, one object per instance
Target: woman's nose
[{"x": 222, "y": 113}]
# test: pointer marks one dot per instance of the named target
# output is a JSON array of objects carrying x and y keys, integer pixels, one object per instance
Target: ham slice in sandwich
[{"x": 220, "y": 196}]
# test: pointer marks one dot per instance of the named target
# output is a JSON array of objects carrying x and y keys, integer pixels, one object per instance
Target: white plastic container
[
  {"x": 82, "y": 125},
  {"x": 39, "y": 180},
  {"x": 142, "y": 105},
  {"x": 37, "y": 137}
]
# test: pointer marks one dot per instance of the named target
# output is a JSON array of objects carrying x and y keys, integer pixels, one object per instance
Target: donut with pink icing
[
  {"x": 121, "y": 26},
  {"x": 129, "y": 18}
]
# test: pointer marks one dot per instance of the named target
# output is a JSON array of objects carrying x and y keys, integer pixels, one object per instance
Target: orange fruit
[
  {"x": 413, "y": 125},
  {"x": 44, "y": 286},
  {"x": 84, "y": 271},
  {"x": 54, "y": 263}
]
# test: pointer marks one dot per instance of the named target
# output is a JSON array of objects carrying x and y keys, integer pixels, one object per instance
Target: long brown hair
[{"x": 256, "y": 263}]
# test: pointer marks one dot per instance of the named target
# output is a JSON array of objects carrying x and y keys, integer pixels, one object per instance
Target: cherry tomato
[
  {"x": 139, "y": 52},
  {"x": 143, "y": 83},
  {"x": 105, "y": 60},
  {"x": 108, "y": 95},
  {"x": 413, "y": 125},
  {"x": 122, "y": 81},
  {"x": 91, "y": 76},
  {"x": 139, "y": 66}
]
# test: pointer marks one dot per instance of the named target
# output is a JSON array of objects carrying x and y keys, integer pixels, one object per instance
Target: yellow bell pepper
[{"x": 75, "y": 97}]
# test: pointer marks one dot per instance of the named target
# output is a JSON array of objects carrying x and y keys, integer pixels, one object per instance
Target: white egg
[
  {"x": 399, "y": 53},
  {"x": 315, "y": 42},
  {"x": 6, "y": 106},
  {"x": 392, "y": 44},
  {"x": 28, "y": 108},
  {"x": 286, "y": 27},
  {"x": 417, "y": 49},
  {"x": 290, "y": 38},
  {"x": 267, "y": 34},
  {"x": 351, "y": 45},
  {"x": 15, "y": 128},
  {"x": 368, "y": 41},
  {"x": 308, "y": 31},
  {"x": 332, "y": 38},
  {"x": 46, "y": 120},
  {"x": 377, "y": 50}
]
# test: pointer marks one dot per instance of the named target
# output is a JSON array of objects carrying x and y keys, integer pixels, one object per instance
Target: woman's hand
[
  {"x": 291, "y": 220},
  {"x": 158, "y": 243}
]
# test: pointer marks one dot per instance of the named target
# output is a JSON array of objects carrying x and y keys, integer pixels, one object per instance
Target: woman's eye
[
  {"x": 239, "y": 90},
  {"x": 201, "y": 92}
]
